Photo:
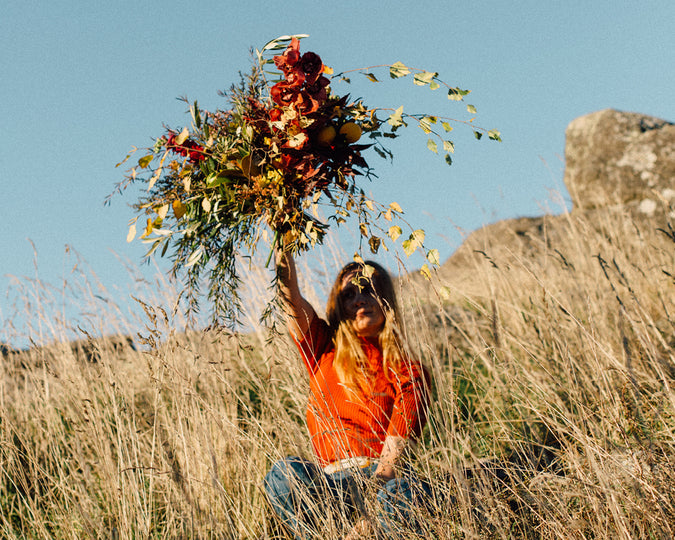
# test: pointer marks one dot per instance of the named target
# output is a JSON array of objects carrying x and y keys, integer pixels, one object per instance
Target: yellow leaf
[
  {"x": 387, "y": 215},
  {"x": 182, "y": 137},
  {"x": 178, "y": 209},
  {"x": 328, "y": 70},
  {"x": 433, "y": 257},
  {"x": 145, "y": 161},
  {"x": 417, "y": 237},
  {"x": 425, "y": 271},
  {"x": 132, "y": 232},
  {"x": 154, "y": 178},
  {"x": 369, "y": 204},
  {"x": 148, "y": 229},
  {"x": 394, "y": 232},
  {"x": 162, "y": 211},
  {"x": 396, "y": 207},
  {"x": 408, "y": 247},
  {"x": 364, "y": 229},
  {"x": 358, "y": 258}
]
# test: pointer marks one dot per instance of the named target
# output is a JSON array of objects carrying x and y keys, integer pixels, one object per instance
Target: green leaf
[
  {"x": 456, "y": 94},
  {"x": 194, "y": 257},
  {"x": 398, "y": 69},
  {"x": 446, "y": 126},
  {"x": 196, "y": 116},
  {"x": 495, "y": 135},
  {"x": 433, "y": 85},
  {"x": 448, "y": 159},
  {"x": 408, "y": 247},
  {"x": 371, "y": 77},
  {"x": 478, "y": 135},
  {"x": 471, "y": 109},
  {"x": 280, "y": 42},
  {"x": 431, "y": 145},
  {"x": 424, "y": 78},
  {"x": 145, "y": 161},
  {"x": 434, "y": 257},
  {"x": 449, "y": 146}
]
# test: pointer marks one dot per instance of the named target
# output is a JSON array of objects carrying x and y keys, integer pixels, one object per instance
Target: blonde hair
[{"x": 350, "y": 362}]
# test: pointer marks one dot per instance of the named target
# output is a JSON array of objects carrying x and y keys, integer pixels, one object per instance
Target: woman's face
[{"x": 360, "y": 305}]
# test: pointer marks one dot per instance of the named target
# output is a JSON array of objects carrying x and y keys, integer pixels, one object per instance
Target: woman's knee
[{"x": 285, "y": 474}]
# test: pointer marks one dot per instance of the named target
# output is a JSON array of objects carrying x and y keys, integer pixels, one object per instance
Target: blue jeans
[{"x": 303, "y": 495}]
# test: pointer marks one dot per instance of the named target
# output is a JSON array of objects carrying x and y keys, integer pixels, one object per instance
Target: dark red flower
[{"x": 312, "y": 66}]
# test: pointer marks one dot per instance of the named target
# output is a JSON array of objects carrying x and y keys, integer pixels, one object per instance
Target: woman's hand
[{"x": 299, "y": 311}]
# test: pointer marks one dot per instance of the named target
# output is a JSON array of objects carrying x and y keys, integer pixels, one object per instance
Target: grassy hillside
[{"x": 553, "y": 409}]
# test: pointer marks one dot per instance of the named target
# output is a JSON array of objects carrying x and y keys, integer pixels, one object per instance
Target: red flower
[
  {"x": 189, "y": 148},
  {"x": 295, "y": 77},
  {"x": 290, "y": 57},
  {"x": 283, "y": 94},
  {"x": 306, "y": 103}
]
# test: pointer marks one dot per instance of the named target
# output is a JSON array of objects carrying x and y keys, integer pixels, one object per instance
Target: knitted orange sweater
[{"x": 344, "y": 423}]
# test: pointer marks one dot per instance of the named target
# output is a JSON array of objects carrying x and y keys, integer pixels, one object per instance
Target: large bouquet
[{"x": 285, "y": 147}]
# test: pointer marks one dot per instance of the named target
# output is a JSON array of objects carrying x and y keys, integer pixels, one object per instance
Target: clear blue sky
[{"x": 83, "y": 81}]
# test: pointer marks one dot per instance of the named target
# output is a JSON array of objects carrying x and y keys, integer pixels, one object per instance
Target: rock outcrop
[
  {"x": 616, "y": 164},
  {"x": 618, "y": 158}
]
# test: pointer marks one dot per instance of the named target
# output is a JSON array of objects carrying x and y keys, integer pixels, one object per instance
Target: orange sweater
[{"x": 347, "y": 424}]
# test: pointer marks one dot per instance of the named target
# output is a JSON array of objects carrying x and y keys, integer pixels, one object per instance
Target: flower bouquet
[{"x": 261, "y": 169}]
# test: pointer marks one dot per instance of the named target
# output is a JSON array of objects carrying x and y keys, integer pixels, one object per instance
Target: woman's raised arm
[{"x": 299, "y": 312}]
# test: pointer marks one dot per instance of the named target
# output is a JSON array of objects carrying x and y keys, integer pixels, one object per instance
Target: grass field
[{"x": 552, "y": 415}]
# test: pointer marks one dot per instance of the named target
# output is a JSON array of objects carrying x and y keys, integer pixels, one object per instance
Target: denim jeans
[{"x": 303, "y": 495}]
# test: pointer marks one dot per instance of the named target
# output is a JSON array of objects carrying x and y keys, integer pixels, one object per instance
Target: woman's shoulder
[{"x": 316, "y": 342}]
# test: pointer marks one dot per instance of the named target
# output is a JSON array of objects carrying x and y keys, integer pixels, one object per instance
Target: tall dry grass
[{"x": 552, "y": 416}]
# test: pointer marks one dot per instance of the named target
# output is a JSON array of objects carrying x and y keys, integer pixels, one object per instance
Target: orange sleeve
[{"x": 314, "y": 343}]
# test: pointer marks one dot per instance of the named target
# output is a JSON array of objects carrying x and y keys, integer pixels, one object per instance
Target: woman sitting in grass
[{"x": 367, "y": 400}]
